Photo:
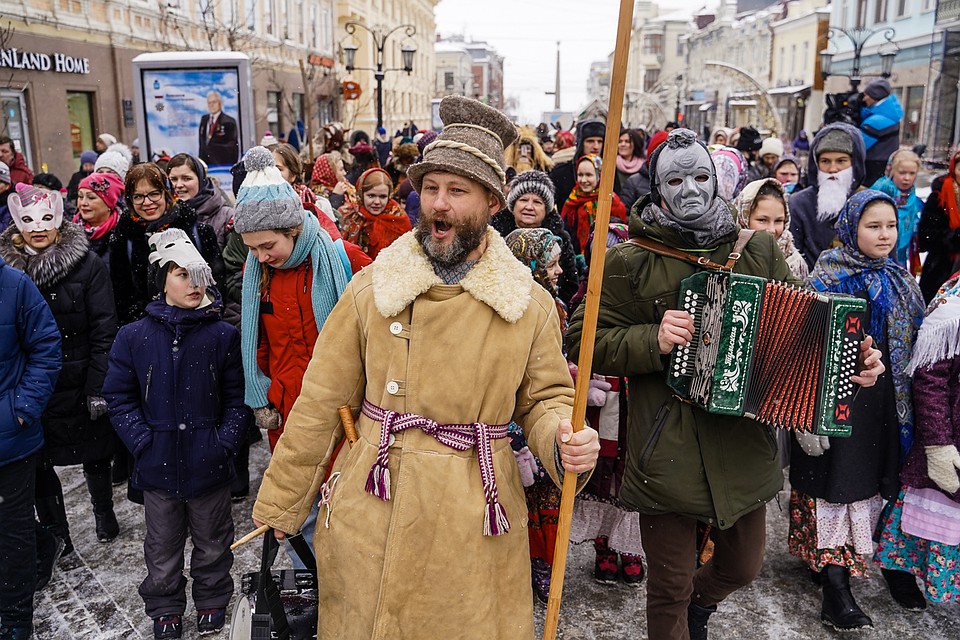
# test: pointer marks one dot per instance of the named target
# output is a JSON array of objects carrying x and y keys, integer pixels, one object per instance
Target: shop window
[
  {"x": 273, "y": 112},
  {"x": 13, "y": 122},
  {"x": 912, "y": 107},
  {"x": 80, "y": 115}
]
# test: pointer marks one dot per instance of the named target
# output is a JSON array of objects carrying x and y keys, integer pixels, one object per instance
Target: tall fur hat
[{"x": 471, "y": 145}]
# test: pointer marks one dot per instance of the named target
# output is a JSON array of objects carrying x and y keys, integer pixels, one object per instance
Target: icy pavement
[{"x": 94, "y": 594}]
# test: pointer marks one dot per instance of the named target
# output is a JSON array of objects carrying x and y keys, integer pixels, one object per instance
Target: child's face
[
  {"x": 768, "y": 215},
  {"x": 375, "y": 199},
  {"x": 904, "y": 175},
  {"x": 877, "y": 230},
  {"x": 787, "y": 173},
  {"x": 180, "y": 291},
  {"x": 282, "y": 168},
  {"x": 554, "y": 271},
  {"x": 269, "y": 247},
  {"x": 586, "y": 176}
]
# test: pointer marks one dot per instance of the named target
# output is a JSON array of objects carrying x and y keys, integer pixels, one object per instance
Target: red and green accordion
[{"x": 773, "y": 352}]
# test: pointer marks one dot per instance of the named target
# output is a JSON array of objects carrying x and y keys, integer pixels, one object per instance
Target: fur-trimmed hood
[
  {"x": 50, "y": 266},
  {"x": 402, "y": 272}
]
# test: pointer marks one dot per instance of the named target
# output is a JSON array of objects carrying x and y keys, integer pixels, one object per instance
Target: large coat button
[
  {"x": 396, "y": 328},
  {"x": 393, "y": 387}
]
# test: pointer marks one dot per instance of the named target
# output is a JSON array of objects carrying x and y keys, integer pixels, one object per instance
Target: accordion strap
[{"x": 661, "y": 249}]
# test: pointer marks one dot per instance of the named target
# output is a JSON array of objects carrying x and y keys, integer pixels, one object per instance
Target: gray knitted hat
[
  {"x": 535, "y": 182},
  {"x": 470, "y": 145},
  {"x": 265, "y": 201},
  {"x": 878, "y": 89},
  {"x": 835, "y": 140}
]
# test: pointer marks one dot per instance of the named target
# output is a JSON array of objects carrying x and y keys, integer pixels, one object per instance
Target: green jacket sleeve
[
  {"x": 234, "y": 256},
  {"x": 623, "y": 346}
]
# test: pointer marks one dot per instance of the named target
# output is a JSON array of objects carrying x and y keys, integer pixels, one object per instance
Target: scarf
[
  {"x": 101, "y": 230},
  {"x": 578, "y": 213},
  {"x": 731, "y": 171},
  {"x": 896, "y": 305},
  {"x": 950, "y": 194},
  {"x": 630, "y": 166},
  {"x": 323, "y": 173},
  {"x": 374, "y": 233},
  {"x": 713, "y": 225},
  {"x": 306, "y": 196},
  {"x": 744, "y": 205},
  {"x": 939, "y": 335},
  {"x": 329, "y": 282}
]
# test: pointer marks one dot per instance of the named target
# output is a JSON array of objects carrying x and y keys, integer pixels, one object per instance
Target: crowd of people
[{"x": 159, "y": 322}]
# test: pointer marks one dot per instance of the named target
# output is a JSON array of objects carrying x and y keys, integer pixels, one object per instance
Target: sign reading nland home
[{"x": 32, "y": 61}]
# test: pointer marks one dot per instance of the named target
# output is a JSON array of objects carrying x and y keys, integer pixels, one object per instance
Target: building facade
[
  {"x": 54, "y": 112},
  {"x": 942, "y": 116},
  {"x": 406, "y": 96},
  {"x": 454, "y": 66}
]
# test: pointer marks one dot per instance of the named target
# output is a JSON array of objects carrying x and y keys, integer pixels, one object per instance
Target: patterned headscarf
[
  {"x": 896, "y": 305},
  {"x": 323, "y": 173},
  {"x": 731, "y": 171},
  {"x": 744, "y": 204},
  {"x": 535, "y": 248},
  {"x": 939, "y": 335}
]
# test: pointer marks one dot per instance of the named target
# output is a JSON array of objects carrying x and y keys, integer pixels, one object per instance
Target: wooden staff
[
  {"x": 591, "y": 304},
  {"x": 349, "y": 428}
]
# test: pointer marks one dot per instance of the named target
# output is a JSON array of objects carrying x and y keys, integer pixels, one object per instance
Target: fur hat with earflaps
[{"x": 471, "y": 145}]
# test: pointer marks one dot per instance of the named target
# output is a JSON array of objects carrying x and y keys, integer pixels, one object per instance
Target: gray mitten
[
  {"x": 267, "y": 418},
  {"x": 812, "y": 444},
  {"x": 96, "y": 406}
]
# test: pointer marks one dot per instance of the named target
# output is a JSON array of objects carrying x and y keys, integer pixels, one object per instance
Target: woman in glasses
[{"x": 151, "y": 208}]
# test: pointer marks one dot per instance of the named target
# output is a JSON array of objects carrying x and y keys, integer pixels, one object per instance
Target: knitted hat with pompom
[{"x": 265, "y": 201}]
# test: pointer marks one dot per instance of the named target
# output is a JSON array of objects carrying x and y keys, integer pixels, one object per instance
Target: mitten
[
  {"x": 942, "y": 464},
  {"x": 96, "y": 407},
  {"x": 528, "y": 466},
  {"x": 267, "y": 418},
  {"x": 597, "y": 392},
  {"x": 812, "y": 444}
]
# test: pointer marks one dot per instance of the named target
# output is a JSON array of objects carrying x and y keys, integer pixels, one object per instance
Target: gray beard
[
  {"x": 832, "y": 195},
  {"x": 467, "y": 237}
]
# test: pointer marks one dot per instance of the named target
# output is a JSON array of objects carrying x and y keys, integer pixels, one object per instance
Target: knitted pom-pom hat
[
  {"x": 470, "y": 145},
  {"x": 265, "y": 201},
  {"x": 535, "y": 182}
]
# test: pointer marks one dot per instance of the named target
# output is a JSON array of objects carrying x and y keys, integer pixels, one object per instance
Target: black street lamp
[
  {"x": 379, "y": 41},
  {"x": 858, "y": 37},
  {"x": 676, "y": 112}
]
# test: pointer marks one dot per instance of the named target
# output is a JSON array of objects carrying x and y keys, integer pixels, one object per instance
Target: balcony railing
[{"x": 948, "y": 10}]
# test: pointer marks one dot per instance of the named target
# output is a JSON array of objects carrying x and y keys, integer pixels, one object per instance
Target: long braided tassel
[
  {"x": 378, "y": 481},
  {"x": 495, "y": 522}
]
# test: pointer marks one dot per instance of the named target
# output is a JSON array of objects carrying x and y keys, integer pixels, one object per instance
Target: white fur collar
[{"x": 402, "y": 272}]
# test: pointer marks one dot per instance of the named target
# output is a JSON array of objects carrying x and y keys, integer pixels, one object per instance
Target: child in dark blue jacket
[{"x": 175, "y": 391}]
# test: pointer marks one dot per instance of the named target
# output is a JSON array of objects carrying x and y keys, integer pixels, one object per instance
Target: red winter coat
[
  {"x": 19, "y": 171},
  {"x": 358, "y": 259},
  {"x": 288, "y": 332}
]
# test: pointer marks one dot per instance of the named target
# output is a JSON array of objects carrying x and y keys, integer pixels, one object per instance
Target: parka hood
[{"x": 859, "y": 154}]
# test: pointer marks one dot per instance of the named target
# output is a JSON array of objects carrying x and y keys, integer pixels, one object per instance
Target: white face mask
[
  {"x": 34, "y": 209},
  {"x": 687, "y": 181}
]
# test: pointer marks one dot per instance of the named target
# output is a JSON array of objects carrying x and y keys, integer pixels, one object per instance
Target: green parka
[{"x": 680, "y": 459}]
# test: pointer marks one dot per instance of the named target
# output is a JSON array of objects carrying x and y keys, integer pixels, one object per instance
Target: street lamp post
[
  {"x": 676, "y": 112},
  {"x": 379, "y": 41},
  {"x": 858, "y": 37}
]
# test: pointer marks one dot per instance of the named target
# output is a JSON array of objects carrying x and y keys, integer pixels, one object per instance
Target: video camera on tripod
[{"x": 843, "y": 107}]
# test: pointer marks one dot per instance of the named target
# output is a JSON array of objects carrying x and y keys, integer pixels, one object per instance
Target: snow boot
[
  {"x": 49, "y": 550},
  {"x": 840, "y": 610},
  {"x": 697, "y": 617},
  {"x": 541, "y": 573},
  {"x": 631, "y": 569},
  {"x": 903, "y": 588},
  {"x": 101, "y": 495},
  {"x": 53, "y": 517},
  {"x": 605, "y": 566}
]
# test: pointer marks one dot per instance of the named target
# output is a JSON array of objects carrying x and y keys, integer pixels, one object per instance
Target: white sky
[{"x": 525, "y": 32}]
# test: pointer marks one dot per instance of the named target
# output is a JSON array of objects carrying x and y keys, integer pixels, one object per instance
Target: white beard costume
[{"x": 832, "y": 193}]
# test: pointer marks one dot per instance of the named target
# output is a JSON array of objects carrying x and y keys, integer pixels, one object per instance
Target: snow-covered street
[{"x": 94, "y": 594}]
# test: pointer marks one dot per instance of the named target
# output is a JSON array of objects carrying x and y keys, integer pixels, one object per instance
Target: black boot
[
  {"x": 840, "y": 610},
  {"x": 697, "y": 617},
  {"x": 49, "y": 550},
  {"x": 53, "y": 517},
  {"x": 101, "y": 495},
  {"x": 903, "y": 587}
]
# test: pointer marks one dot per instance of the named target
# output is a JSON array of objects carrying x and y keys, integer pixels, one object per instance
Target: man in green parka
[{"x": 685, "y": 465}]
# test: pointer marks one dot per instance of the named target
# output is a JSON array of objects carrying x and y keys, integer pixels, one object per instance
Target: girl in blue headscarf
[{"x": 840, "y": 484}]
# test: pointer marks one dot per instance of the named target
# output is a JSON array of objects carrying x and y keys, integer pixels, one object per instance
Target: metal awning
[
  {"x": 742, "y": 103},
  {"x": 708, "y": 106},
  {"x": 780, "y": 91}
]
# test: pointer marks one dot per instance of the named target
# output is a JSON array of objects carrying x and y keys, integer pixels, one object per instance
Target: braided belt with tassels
[{"x": 457, "y": 436}]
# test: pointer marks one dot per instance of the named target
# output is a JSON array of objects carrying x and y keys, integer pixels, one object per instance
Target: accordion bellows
[{"x": 773, "y": 352}]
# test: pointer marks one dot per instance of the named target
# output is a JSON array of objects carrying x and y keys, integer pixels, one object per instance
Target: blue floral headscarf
[{"x": 896, "y": 305}]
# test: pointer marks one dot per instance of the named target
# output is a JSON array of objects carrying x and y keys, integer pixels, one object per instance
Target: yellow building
[{"x": 406, "y": 97}]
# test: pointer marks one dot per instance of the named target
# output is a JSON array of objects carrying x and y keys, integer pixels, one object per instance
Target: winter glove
[
  {"x": 528, "y": 466},
  {"x": 267, "y": 418},
  {"x": 812, "y": 444},
  {"x": 597, "y": 393},
  {"x": 942, "y": 464},
  {"x": 96, "y": 406}
]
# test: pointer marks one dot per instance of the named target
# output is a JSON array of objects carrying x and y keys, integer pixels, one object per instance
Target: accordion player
[{"x": 769, "y": 351}]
